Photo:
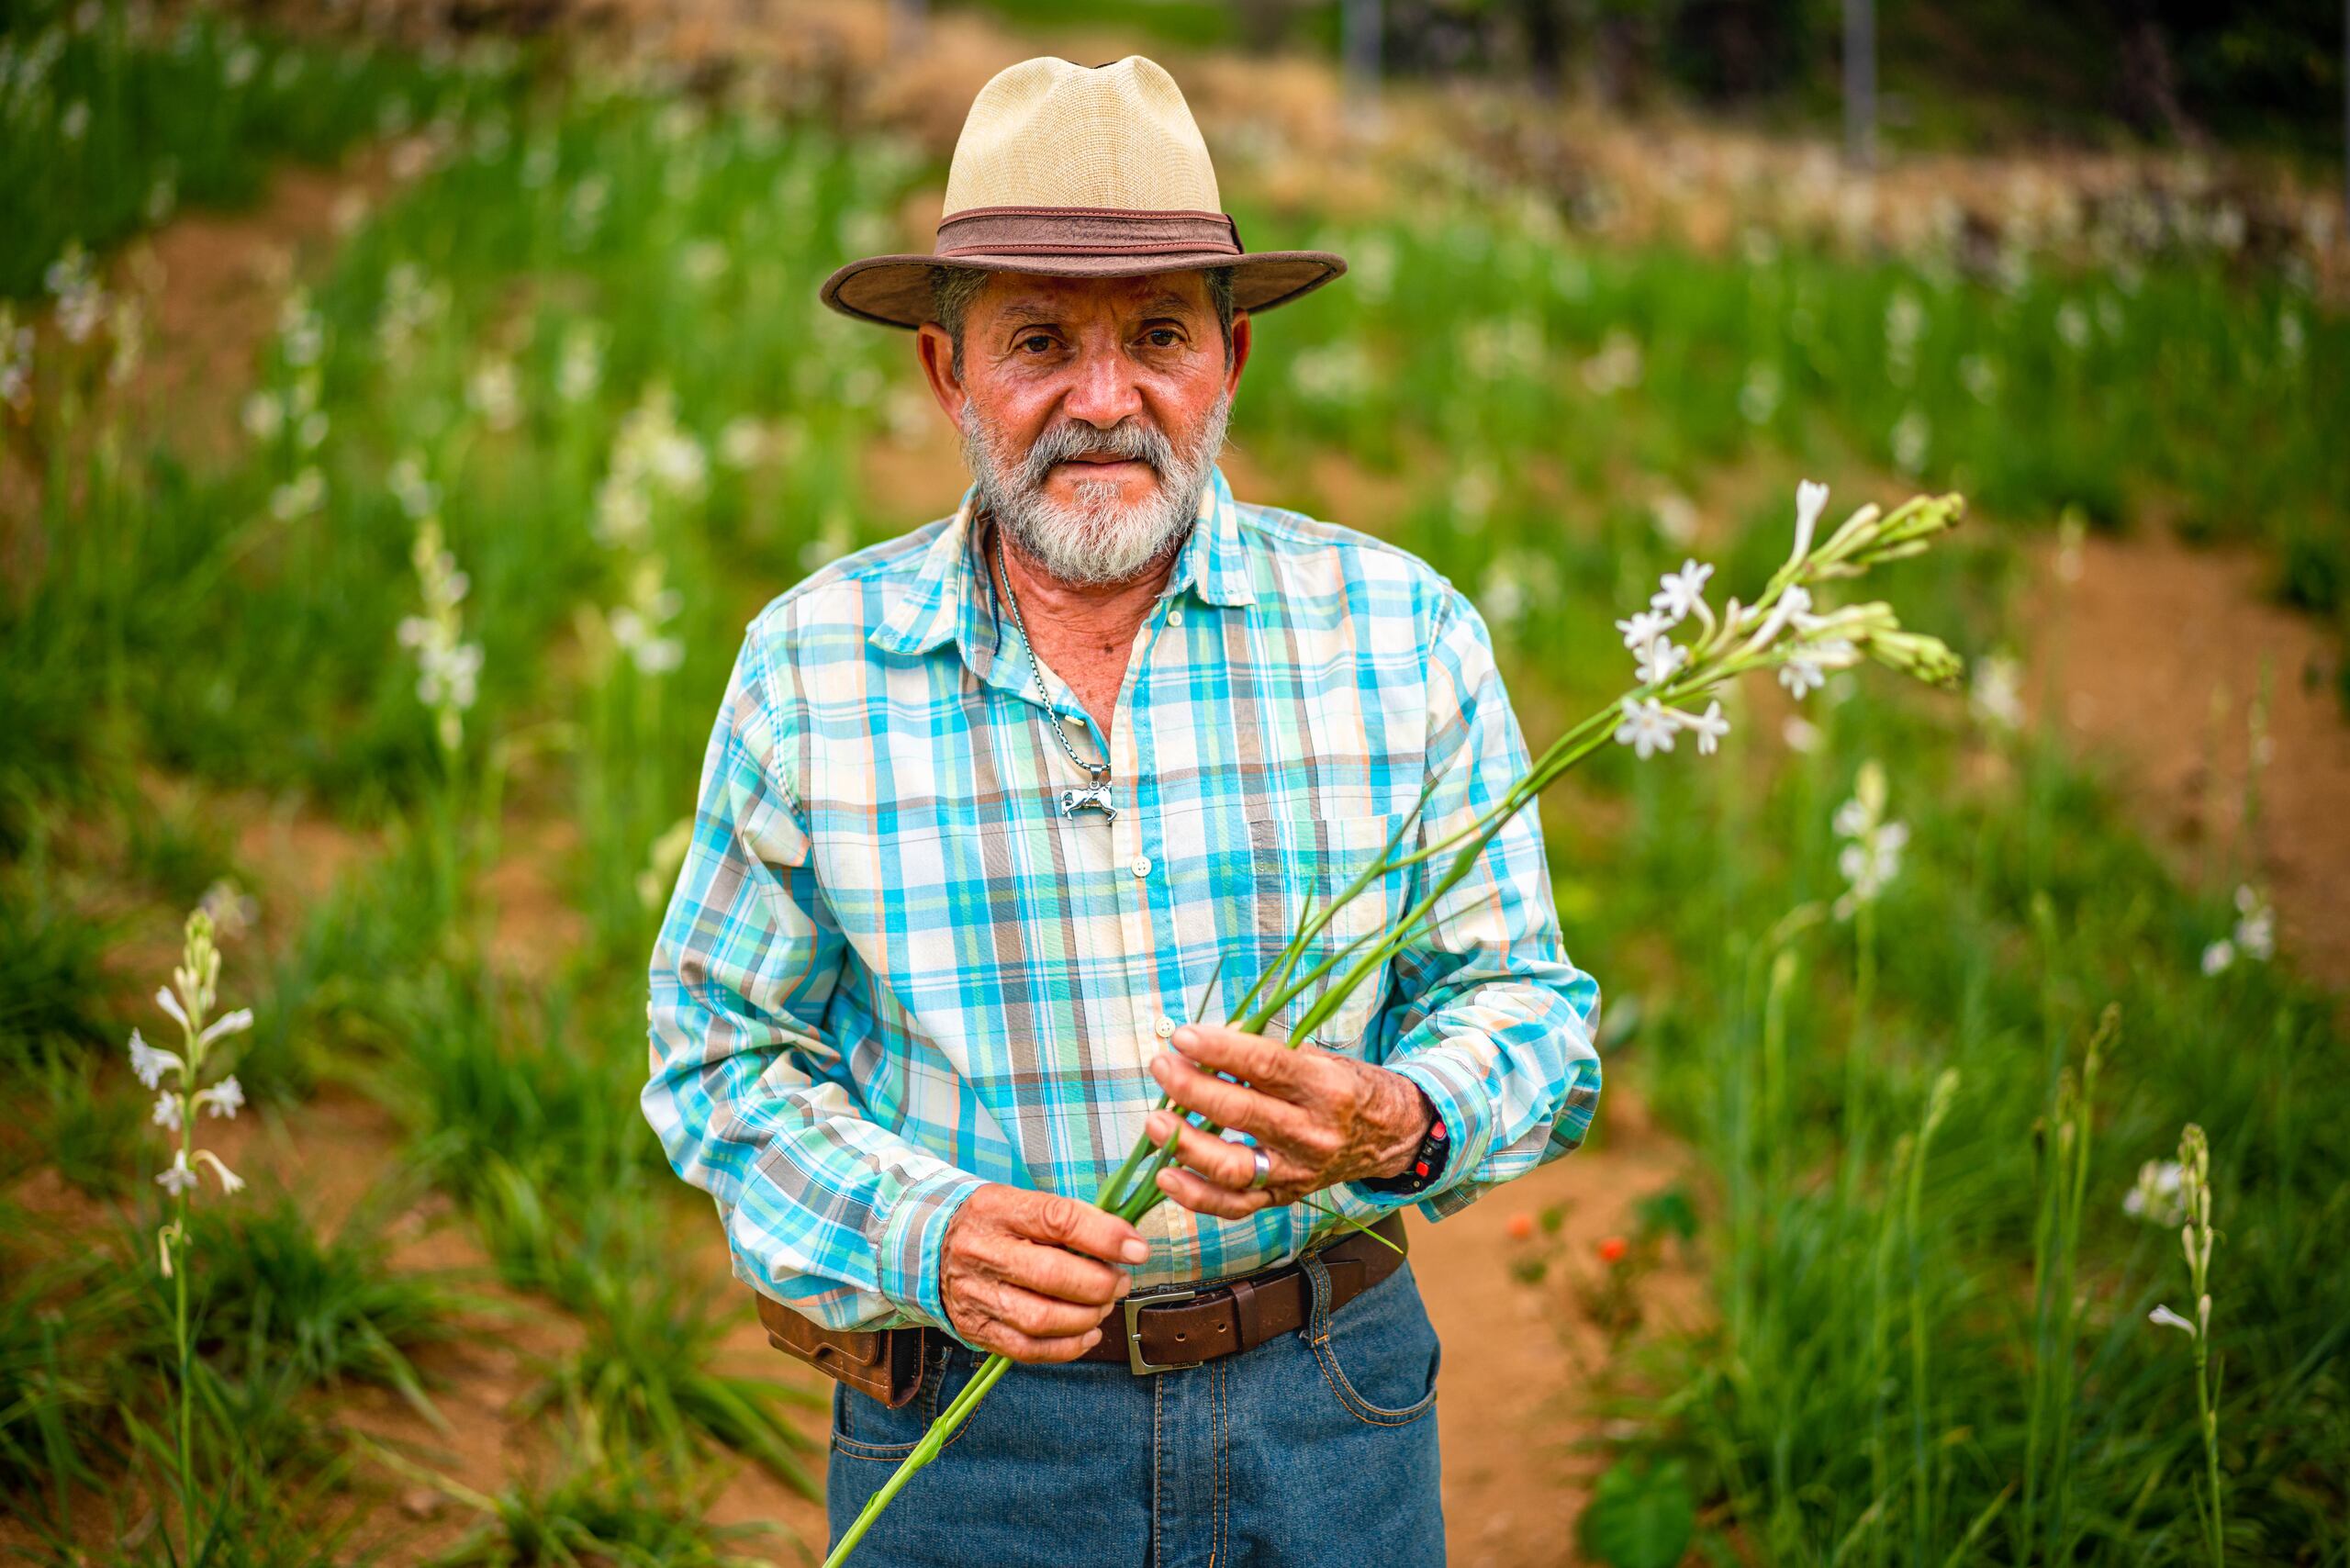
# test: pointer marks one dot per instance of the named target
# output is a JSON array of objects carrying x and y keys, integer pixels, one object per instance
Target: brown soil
[
  {"x": 219, "y": 279},
  {"x": 1519, "y": 1415},
  {"x": 2155, "y": 656}
]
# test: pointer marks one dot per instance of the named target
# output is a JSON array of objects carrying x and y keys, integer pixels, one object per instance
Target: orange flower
[
  {"x": 1521, "y": 1226},
  {"x": 1613, "y": 1249}
]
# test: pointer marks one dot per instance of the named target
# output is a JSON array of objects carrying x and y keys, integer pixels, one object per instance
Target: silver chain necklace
[{"x": 1096, "y": 795}]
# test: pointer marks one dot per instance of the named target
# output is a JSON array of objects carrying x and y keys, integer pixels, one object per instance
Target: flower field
[{"x": 391, "y": 699}]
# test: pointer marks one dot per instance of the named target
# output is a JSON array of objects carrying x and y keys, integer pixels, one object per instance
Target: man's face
[{"x": 1092, "y": 410}]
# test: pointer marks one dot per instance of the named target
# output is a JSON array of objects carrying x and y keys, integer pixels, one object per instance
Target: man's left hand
[{"x": 1323, "y": 1119}]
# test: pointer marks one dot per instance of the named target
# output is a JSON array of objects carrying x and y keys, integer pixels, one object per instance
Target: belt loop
[
  {"x": 1318, "y": 1275},
  {"x": 1244, "y": 1313}
]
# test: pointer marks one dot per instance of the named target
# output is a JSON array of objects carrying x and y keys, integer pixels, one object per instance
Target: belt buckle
[{"x": 1135, "y": 1363}]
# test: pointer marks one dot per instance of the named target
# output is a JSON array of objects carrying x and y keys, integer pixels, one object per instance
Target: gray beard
[{"x": 1092, "y": 540}]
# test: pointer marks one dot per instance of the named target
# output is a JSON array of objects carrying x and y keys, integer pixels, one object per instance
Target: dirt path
[{"x": 2154, "y": 654}]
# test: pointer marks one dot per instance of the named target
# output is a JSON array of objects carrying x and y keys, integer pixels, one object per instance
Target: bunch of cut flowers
[{"x": 1788, "y": 629}]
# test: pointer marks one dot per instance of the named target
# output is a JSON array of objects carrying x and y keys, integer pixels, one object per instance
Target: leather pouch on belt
[{"x": 882, "y": 1363}]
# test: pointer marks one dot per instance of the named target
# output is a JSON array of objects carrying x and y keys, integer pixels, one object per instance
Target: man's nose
[{"x": 1103, "y": 390}]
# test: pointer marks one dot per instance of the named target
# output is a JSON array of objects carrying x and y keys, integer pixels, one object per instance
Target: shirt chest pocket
[{"x": 1298, "y": 867}]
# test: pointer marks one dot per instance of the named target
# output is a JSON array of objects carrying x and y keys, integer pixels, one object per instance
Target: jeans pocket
[
  {"x": 864, "y": 1428},
  {"x": 1379, "y": 1353}
]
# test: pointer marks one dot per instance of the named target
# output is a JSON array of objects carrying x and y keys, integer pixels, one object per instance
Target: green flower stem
[
  {"x": 193, "y": 1058},
  {"x": 991, "y": 1372},
  {"x": 1856, "y": 1051},
  {"x": 187, "y": 1395},
  {"x": 1921, "y": 1469}
]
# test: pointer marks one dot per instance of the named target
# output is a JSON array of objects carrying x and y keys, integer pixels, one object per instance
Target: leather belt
[
  {"x": 1154, "y": 1332},
  {"x": 1161, "y": 1330}
]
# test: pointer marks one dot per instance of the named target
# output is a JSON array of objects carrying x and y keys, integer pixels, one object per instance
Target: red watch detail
[{"x": 1428, "y": 1160}]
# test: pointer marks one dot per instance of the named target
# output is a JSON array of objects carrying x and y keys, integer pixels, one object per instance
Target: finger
[
  {"x": 1029, "y": 1348},
  {"x": 1064, "y": 1276},
  {"x": 1238, "y": 1106},
  {"x": 1225, "y": 1163},
  {"x": 1205, "y": 1197},
  {"x": 1249, "y": 1058},
  {"x": 1065, "y": 1221},
  {"x": 1038, "y": 1317}
]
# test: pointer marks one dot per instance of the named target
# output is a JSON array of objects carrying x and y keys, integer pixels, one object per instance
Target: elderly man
[{"x": 998, "y": 818}]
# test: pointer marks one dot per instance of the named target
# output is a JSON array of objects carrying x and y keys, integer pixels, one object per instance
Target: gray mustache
[{"x": 1074, "y": 438}]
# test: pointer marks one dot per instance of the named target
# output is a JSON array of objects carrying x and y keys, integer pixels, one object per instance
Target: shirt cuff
[
  {"x": 913, "y": 1241},
  {"x": 1457, "y": 1093}
]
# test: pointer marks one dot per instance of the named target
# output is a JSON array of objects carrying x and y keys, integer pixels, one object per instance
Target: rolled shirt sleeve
[
  {"x": 1490, "y": 1018},
  {"x": 824, "y": 1209}
]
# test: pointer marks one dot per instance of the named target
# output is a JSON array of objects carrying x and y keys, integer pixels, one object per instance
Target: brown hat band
[{"x": 1083, "y": 230}]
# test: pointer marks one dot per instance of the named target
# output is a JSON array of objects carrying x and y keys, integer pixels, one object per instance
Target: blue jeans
[{"x": 1315, "y": 1450}]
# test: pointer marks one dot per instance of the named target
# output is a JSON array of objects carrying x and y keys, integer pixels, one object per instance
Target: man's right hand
[{"x": 1030, "y": 1276}]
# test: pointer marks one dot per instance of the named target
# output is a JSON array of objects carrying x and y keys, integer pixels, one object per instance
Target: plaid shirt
[{"x": 891, "y": 970}]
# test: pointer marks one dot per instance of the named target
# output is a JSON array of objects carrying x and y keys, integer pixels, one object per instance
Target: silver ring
[{"x": 1264, "y": 1177}]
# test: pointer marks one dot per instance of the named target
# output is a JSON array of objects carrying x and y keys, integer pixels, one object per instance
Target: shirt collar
[{"x": 949, "y": 598}]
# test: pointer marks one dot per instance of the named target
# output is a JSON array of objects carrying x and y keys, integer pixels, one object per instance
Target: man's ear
[
  {"x": 935, "y": 350},
  {"x": 1239, "y": 356}
]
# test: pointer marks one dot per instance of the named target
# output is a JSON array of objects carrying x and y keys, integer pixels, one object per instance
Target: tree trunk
[{"x": 1860, "y": 82}]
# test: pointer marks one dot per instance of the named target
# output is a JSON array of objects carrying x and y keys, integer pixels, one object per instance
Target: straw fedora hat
[{"x": 1079, "y": 171}]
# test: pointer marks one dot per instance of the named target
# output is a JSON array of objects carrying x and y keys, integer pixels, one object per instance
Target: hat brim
[{"x": 895, "y": 290}]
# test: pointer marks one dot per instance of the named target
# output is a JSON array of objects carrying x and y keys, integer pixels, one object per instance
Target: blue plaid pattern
[{"x": 891, "y": 971}]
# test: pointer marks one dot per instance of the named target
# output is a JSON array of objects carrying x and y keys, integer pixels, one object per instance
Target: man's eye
[
  {"x": 1164, "y": 337},
  {"x": 1036, "y": 342}
]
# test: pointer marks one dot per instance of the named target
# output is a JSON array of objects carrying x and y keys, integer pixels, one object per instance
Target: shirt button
[
  {"x": 1142, "y": 865},
  {"x": 1174, "y": 618},
  {"x": 1074, "y": 720},
  {"x": 1166, "y": 1028}
]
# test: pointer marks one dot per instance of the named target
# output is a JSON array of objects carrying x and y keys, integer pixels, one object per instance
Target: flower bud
[{"x": 1914, "y": 653}]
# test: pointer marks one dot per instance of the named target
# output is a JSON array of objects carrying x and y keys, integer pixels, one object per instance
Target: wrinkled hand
[
  {"x": 1016, "y": 1274},
  {"x": 1323, "y": 1119}
]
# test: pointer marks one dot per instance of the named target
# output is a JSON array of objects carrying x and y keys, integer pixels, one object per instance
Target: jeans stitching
[
  {"x": 1220, "y": 1402},
  {"x": 1157, "y": 1541},
  {"x": 1355, "y": 1405},
  {"x": 1363, "y": 1409},
  {"x": 1317, "y": 1274}
]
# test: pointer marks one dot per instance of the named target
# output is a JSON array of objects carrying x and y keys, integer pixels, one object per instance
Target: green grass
[
  {"x": 645, "y": 1376},
  {"x": 275, "y": 1298},
  {"x": 1885, "y": 1376},
  {"x": 117, "y": 116},
  {"x": 57, "y": 1426}
]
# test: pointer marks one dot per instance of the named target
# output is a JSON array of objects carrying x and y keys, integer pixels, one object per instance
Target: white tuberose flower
[
  {"x": 2155, "y": 1197},
  {"x": 230, "y": 1181},
  {"x": 227, "y": 1024},
  {"x": 148, "y": 1063},
  {"x": 1644, "y": 627},
  {"x": 2255, "y": 932},
  {"x": 1659, "y": 659},
  {"x": 2166, "y": 1318},
  {"x": 1678, "y": 594},
  {"x": 224, "y": 1098},
  {"x": 178, "y": 1178},
  {"x": 1647, "y": 728},
  {"x": 1710, "y": 727},
  {"x": 167, "y": 1110},
  {"x": 1799, "y": 675},
  {"x": 1811, "y": 500}
]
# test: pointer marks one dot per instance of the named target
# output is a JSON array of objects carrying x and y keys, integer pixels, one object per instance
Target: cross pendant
[{"x": 1094, "y": 796}]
